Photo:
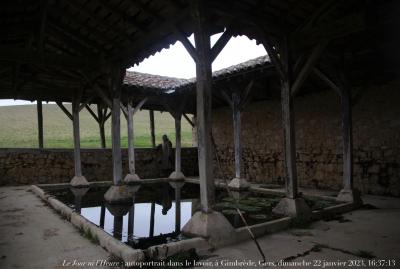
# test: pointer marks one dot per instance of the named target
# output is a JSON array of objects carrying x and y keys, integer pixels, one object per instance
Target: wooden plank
[{"x": 40, "y": 123}]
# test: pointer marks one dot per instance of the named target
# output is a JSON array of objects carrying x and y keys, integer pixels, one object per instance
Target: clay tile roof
[{"x": 144, "y": 80}]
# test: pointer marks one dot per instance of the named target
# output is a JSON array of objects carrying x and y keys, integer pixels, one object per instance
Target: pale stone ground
[
  {"x": 372, "y": 230},
  {"x": 32, "y": 235}
]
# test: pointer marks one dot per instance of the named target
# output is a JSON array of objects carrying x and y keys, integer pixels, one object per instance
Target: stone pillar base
[
  {"x": 122, "y": 194},
  {"x": 176, "y": 184},
  {"x": 213, "y": 226},
  {"x": 79, "y": 182},
  {"x": 119, "y": 210},
  {"x": 239, "y": 184},
  {"x": 132, "y": 179},
  {"x": 293, "y": 208},
  {"x": 349, "y": 196},
  {"x": 177, "y": 176}
]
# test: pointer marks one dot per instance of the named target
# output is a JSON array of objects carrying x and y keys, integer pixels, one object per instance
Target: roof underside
[{"x": 51, "y": 48}]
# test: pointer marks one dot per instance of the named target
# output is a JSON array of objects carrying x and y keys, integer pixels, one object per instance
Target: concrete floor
[
  {"x": 358, "y": 233},
  {"x": 32, "y": 235}
]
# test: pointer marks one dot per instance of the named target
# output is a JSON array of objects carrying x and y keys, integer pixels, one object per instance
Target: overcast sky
[{"x": 176, "y": 62}]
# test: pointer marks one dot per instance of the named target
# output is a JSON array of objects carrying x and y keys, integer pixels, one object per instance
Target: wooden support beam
[
  {"x": 325, "y": 78},
  {"x": 189, "y": 120},
  {"x": 131, "y": 136},
  {"x": 178, "y": 146},
  {"x": 139, "y": 105},
  {"x": 86, "y": 102},
  {"x": 347, "y": 141},
  {"x": 221, "y": 43},
  {"x": 188, "y": 46},
  {"x": 77, "y": 142},
  {"x": 27, "y": 56},
  {"x": 40, "y": 123},
  {"x": 95, "y": 117},
  {"x": 116, "y": 83},
  {"x": 245, "y": 97},
  {"x": 204, "y": 101},
  {"x": 102, "y": 116},
  {"x": 152, "y": 132},
  {"x": 288, "y": 127},
  {"x": 237, "y": 131},
  {"x": 65, "y": 110},
  {"x": 308, "y": 66},
  {"x": 273, "y": 55}
]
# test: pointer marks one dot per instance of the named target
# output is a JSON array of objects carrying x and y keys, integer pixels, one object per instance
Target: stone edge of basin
[{"x": 163, "y": 251}]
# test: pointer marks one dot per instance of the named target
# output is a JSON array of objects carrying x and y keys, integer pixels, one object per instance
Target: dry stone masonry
[
  {"x": 376, "y": 135},
  {"x": 31, "y": 166}
]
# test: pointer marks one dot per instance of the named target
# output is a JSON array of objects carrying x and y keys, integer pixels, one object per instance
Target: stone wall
[
  {"x": 376, "y": 134},
  {"x": 28, "y": 166}
]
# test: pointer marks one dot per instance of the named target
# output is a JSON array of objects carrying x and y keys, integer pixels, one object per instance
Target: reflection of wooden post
[
  {"x": 177, "y": 210},
  {"x": 40, "y": 123},
  {"x": 118, "y": 223},
  {"x": 152, "y": 214},
  {"x": 153, "y": 136},
  {"x": 102, "y": 215},
  {"x": 131, "y": 222}
]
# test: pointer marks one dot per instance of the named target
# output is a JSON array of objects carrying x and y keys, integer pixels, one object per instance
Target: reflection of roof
[{"x": 144, "y": 80}]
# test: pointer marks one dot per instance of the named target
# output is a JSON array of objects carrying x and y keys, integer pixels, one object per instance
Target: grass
[{"x": 19, "y": 128}]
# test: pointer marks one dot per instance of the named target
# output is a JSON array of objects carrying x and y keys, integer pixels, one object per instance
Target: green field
[{"x": 18, "y": 128}]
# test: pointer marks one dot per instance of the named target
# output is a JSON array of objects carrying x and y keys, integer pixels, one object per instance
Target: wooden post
[
  {"x": 204, "y": 100},
  {"x": 289, "y": 140},
  {"x": 153, "y": 136},
  {"x": 102, "y": 215},
  {"x": 77, "y": 143},
  {"x": 177, "y": 210},
  {"x": 101, "y": 118},
  {"x": 237, "y": 134},
  {"x": 347, "y": 141},
  {"x": 116, "y": 130},
  {"x": 178, "y": 147},
  {"x": 131, "y": 147},
  {"x": 40, "y": 123}
]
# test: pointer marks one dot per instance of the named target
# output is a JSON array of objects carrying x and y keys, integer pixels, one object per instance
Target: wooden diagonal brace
[{"x": 65, "y": 110}]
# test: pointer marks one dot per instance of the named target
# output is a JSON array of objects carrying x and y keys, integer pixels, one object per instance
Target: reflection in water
[{"x": 140, "y": 224}]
